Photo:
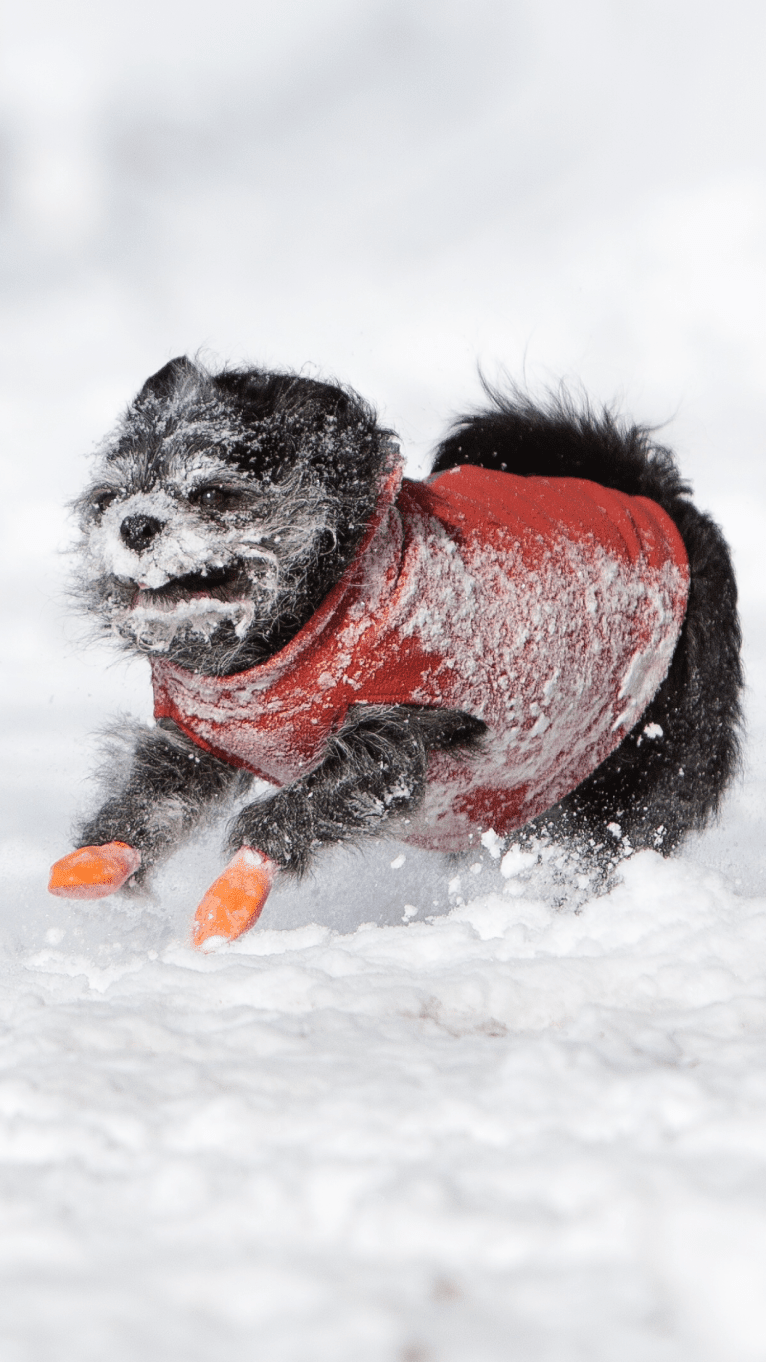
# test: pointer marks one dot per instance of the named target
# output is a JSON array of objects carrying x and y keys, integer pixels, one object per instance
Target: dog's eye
[
  {"x": 100, "y": 500},
  {"x": 211, "y": 498}
]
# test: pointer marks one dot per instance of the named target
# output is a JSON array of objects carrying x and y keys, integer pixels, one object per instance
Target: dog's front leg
[
  {"x": 161, "y": 784},
  {"x": 373, "y": 772}
]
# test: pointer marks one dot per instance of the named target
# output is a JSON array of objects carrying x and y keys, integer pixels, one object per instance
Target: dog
[{"x": 539, "y": 638}]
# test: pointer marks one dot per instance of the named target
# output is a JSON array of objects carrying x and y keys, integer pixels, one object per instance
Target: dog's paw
[
  {"x": 234, "y": 901},
  {"x": 94, "y": 872}
]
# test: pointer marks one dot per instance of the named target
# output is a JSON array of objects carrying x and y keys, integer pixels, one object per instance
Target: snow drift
[{"x": 512, "y": 1130}]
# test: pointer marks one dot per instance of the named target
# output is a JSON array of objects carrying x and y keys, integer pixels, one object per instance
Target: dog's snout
[{"x": 138, "y": 531}]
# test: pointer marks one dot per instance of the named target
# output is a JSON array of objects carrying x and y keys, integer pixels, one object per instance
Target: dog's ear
[{"x": 162, "y": 384}]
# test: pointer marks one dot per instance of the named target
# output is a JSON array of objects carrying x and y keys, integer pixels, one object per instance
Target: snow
[
  {"x": 515, "y": 1130},
  {"x": 346, "y": 1144}
]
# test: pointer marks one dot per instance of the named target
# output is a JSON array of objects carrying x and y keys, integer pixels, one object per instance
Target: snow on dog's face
[{"x": 223, "y": 510}]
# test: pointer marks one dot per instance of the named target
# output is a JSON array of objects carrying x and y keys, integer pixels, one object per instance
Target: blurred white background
[{"x": 389, "y": 193}]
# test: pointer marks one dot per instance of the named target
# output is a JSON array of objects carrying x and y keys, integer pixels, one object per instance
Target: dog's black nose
[{"x": 138, "y": 531}]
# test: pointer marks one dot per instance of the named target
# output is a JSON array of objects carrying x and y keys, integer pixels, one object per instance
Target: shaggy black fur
[
  {"x": 310, "y": 454},
  {"x": 374, "y": 771},
  {"x": 165, "y": 783}
]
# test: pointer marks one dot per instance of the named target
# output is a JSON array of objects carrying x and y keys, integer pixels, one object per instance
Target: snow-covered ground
[{"x": 405, "y": 1119}]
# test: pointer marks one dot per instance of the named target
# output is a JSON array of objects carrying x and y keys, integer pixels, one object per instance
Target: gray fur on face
[{"x": 232, "y": 527}]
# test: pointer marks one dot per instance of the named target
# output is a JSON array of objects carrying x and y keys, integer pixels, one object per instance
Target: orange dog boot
[
  {"x": 94, "y": 872},
  {"x": 234, "y": 901}
]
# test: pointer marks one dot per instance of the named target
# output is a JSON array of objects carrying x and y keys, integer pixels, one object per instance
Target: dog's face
[{"x": 223, "y": 510}]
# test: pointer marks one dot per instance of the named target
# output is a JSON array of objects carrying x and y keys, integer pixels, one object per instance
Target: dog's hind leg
[{"x": 668, "y": 776}]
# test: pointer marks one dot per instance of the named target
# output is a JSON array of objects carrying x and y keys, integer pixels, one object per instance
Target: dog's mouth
[{"x": 227, "y": 584}]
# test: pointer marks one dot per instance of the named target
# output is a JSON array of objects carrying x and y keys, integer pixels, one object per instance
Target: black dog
[{"x": 231, "y": 511}]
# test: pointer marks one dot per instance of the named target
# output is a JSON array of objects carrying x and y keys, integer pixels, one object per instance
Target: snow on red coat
[{"x": 548, "y": 607}]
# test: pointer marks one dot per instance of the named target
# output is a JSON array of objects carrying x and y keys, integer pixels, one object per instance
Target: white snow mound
[{"x": 510, "y": 1131}]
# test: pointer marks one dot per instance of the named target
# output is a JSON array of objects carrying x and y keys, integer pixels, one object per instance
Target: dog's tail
[{"x": 656, "y": 788}]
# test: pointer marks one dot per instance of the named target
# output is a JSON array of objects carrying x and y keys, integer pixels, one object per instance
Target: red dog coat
[{"x": 548, "y": 607}]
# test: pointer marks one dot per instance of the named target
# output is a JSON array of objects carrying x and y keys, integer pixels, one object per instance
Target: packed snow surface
[{"x": 514, "y": 1130}]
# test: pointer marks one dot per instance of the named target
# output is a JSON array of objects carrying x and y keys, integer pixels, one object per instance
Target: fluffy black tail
[{"x": 655, "y": 788}]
